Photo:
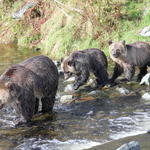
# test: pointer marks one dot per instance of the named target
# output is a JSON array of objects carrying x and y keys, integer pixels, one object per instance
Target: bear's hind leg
[
  {"x": 143, "y": 71},
  {"x": 101, "y": 76},
  {"x": 36, "y": 106},
  {"x": 47, "y": 104}
]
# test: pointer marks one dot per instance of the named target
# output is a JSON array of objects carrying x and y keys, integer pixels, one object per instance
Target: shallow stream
[{"x": 89, "y": 120}]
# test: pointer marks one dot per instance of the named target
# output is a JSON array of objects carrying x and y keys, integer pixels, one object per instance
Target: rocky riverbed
[{"x": 82, "y": 119}]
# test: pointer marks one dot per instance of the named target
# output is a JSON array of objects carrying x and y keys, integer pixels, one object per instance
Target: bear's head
[
  {"x": 117, "y": 50},
  {"x": 67, "y": 66},
  {"x": 8, "y": 93}
]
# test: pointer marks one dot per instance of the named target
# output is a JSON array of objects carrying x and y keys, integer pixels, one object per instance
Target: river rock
[
  {"x": 133, "y": 145},
  {"x": 146, "y": 96},
  {"x": 69, "y": 88},
  {"x": 92, "y": 93},
  {"x": 145, "y": 31},
  {"x": 66, "y": 99},
  {"x": 19, "y": 14},
  {"x": 71, "y": 79},
  {"x": 146, "y": 79},
  {"x": 122, "y": 90}
]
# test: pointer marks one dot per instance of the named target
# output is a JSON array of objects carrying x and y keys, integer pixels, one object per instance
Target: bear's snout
[{"x": 116, "y": 54}]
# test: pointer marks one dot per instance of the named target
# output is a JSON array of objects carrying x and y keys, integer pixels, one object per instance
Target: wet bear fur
[
  {"x": 26, "y": 83},
  {"x": 129, "y": 56},
  {"x": 81, "y": 63}
]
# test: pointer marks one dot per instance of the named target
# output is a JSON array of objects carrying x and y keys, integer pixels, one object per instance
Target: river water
[{"x": 91, "y": 119}]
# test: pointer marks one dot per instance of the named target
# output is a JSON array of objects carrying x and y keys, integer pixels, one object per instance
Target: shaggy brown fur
[
  {"x": 128, "y": 56},
  {"x": 81, "y": 63},
  {"x": 26, "y": 83}
]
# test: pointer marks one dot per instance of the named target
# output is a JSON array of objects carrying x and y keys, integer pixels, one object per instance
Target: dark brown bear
[
  {"x": 81, "y": 63},
  {"x": 26, "y": 83},
  {"x": 127, "y": 57}
]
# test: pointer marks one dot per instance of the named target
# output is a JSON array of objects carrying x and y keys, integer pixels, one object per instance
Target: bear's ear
[
  {"x": 110, "y": 42},
  {"x": 123, "y": 42},
  {"x": 9, "y": 85}
]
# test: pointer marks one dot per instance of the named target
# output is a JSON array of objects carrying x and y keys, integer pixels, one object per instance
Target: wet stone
[
  {"x": 90, "y": 112},
  {"x": 145, "y": 80},
  {"x": 69, "y": 88},
  {"x": 122, "y": 90},
  {"x": 92, "y": 93},
  {"x": 133, "y": 145},
  {"x": 66, "y": 99},
  {"x": 146, "y": 96}
]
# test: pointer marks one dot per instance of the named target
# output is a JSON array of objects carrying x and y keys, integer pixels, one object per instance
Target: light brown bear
[
  {"x": 129, "y": 56},
  {"x": 26, "y": 83}
]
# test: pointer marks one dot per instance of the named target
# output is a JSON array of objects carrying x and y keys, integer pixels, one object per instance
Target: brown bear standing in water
[
  {"x": 26, "y": 83},
  {"x": 127, "y": 57},
  {"x": 81, "y": 63}
]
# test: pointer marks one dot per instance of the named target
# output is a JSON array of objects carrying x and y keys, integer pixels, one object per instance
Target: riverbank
[
  {"x": 60, "y": 27},
  {"x": 143, "y": 139}
]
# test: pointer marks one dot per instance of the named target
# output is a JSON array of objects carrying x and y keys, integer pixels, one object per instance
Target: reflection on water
[
  {"x": 11, "y": 54},
  {"x": 87, "y": 122}
]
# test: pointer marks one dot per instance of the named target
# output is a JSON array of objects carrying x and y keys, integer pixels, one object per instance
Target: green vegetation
[{"x": 62, "y": 26}]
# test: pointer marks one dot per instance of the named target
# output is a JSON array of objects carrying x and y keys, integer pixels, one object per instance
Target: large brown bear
[
  {"x": 26, "y": 83},
  {"x": 81, "y": 63},
  {"x": 127, "y": 57}
]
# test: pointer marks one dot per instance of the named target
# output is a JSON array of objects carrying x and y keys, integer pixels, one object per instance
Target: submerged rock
[
  {"x": 66, "y": 99},
  {"x": 146, "y": 79},
  {"x": 69, "y": 88},
  {"x": 92, "y": 93},
  {"x": 133, "y": 145},
  {"x": 122, "y": 90},
  {"x": 146, "y": 96},
  {"x": 145, "y": 31}
]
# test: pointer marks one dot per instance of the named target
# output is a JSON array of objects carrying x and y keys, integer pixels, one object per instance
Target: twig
[{"x": 73, "y": 9}]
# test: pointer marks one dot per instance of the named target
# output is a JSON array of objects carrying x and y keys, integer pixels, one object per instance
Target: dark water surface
[{"x": 88, "y": 121}]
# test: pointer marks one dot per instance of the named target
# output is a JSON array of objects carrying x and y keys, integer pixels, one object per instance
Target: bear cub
[
  {"x": 81, "y": 63},
  {"x": 26, "y": 83},
  {"x": 129, "y": 56}
]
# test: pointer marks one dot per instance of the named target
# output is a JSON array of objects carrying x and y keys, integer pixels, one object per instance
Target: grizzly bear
[
  {"x": 26, "y": 83},
  {"x": 129, "y": 56},
  {"x": 81, "y": 63}
]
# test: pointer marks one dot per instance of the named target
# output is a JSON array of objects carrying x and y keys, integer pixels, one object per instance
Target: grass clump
[{"x": 63, "y": 26}]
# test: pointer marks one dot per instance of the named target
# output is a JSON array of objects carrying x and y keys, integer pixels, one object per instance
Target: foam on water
[
  {"x": 130, "y": 126},
  {"x": 8, "y": 116},
  {"x": 56, "y": 144}
]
